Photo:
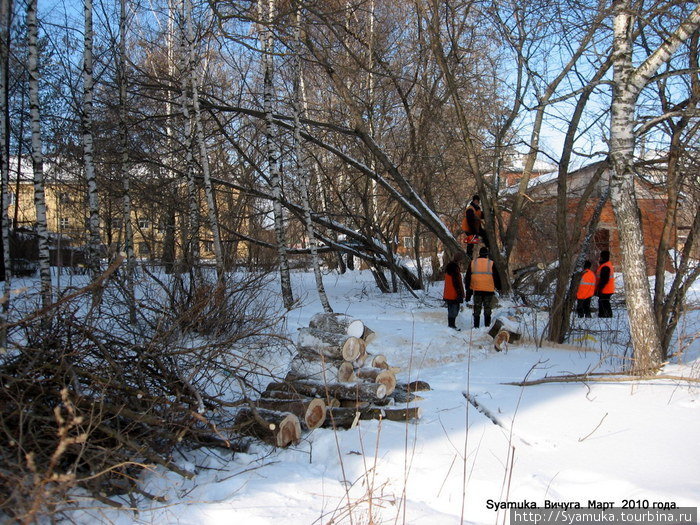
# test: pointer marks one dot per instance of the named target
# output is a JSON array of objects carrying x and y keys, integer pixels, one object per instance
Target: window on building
[
  {"x": 64, "y": 197},
  {"x": 408, "y": 242},
  {"x": 63, "y": 222},
  {"x": 117, "y": 224},
  {"x": 144, "y": 249},
  {"x": 209, "y": 246},
  {"x": 144, "y": 224}
]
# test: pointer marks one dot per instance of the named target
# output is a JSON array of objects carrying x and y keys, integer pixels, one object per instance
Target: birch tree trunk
[
  {"x": 124, "y": 166},
  {"x": 300, "y": 166},
  {"x": 37, "y": 155},
  {"x": 272, "y": 153},
  {"x": 88, "y": 146},
  {"x": 5, "y": 161},
  {"x": 628, "y": 83},
  {"x": 192, "y": 240},
  {"x": 203, "y": 153}
]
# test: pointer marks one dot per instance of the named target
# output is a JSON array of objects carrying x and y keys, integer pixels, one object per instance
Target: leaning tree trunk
[
  {"x": 302, "y": 173},
  {"x": 124, "y": 167},
  {"x": 88, "y": 145},
  {"x": 272, "y": 156},
  {"x": 37, "y": 155},
  {"x": 628, "y": 83}
]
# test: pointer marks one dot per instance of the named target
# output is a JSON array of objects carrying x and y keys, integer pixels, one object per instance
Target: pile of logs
[{"x": 333, "y": 382}]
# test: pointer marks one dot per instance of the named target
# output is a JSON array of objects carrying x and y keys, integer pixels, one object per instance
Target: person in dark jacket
[
  {"x": 473, "y": 223},
  {"x": 586, "y": 290},
  {"x": 482, "y": 280},
  {"x": 605, "y": 284},
  {"x": 453, "y": 292}
]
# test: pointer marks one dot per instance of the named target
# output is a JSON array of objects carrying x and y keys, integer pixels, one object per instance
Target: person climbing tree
[{"x": 473, "y": 225}]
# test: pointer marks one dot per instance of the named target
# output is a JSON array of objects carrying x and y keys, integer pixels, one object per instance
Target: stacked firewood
[{"x": 333, "y": 382}]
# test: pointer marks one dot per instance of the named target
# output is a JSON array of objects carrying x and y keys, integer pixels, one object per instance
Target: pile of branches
[{"x": 90, "y": 400}]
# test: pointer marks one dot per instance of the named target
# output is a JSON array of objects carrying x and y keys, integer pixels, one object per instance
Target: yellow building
[{"x": 157, "y": 222}]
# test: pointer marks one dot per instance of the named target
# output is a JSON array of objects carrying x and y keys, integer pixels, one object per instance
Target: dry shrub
[{"x": 89, "y": 400}]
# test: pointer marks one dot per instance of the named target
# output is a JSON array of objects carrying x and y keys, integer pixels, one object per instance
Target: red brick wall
[{"x": 537, "y": 238}]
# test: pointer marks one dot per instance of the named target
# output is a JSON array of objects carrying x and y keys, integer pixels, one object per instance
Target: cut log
[
  {"x": 353, "y": 404},
  {"x": 316, "y": 370},
  {"x": 286, "y": 396},
  {"x": 354, "y": 348},
  {"x": 416, "y": 386},
  {"x": 328, "y": 344},
  {"x": 339, "y": 324},
  {"x": 378, "y": 375},
  {"x": 277, "y": 428},
  {"x": 312, "y": 412},
  {"x": 379, "y": 361},
  {"x": 356, "y": 391},
  {"x": 346, "y": 373},
  {"x": 361, "y": 360},
  {"x": 356, "y": 329},
  {"x": 332, "y": 322},
  {"x": 346, "y": 417},
  {"x": 368, "y": 335}
]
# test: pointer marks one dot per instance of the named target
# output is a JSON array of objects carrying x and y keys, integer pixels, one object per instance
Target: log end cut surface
[{"x": 315, "y": 414}]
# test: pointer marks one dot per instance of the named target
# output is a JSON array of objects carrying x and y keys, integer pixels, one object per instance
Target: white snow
[{"x": 563, "y": 442}]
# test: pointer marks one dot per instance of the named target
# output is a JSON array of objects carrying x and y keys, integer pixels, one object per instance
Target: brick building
[{"x": 537, "y": 243}]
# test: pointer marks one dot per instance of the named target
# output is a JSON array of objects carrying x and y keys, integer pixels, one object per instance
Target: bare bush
[{"x": 89, "y": 400}]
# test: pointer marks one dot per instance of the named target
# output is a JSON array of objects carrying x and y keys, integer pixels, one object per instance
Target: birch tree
[
  {"x": 122, "y": 81},
  {"x": 5, "y": 159},
  {"x": 192, "y": 242},
  {"x": 37, "y": 154},
  {"x": 88, "y": 142},
  {"x": 628, "y": 83},
  {"x": 201, "y": 142},
  {"x": 301, "y": 167},
  {"x": 267, "y": 12}
]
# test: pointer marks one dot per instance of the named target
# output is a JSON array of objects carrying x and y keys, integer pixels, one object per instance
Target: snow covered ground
[{"x": 564, "y": 442}]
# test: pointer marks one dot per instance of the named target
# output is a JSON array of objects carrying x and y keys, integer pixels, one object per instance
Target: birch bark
[
  {"x": 300, "y": 166},
  {"x": 628, "y": 83},
  {"x": 88, "y": 143},
  {"x": 192, "y": 242},
  {"x": 203, "y": 153},
  {"x": 272, "y": 153},
  {"x": 37, "y": 154},
  {"x": 124, "y": 166}
]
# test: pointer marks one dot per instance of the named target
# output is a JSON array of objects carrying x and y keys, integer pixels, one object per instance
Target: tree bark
[
  {"x": 272, "y": 152},
  {"x": 628, "y": 83},
  {"x": 88, "y": 145},
  {"x": 38, "y": 155}
]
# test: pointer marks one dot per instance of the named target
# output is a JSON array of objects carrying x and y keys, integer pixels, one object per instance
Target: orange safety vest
[
  {"x": 450, "y": 292},
  {"x": 465, "y": 224},
  {"x": 586, "y": 288},
  {"x": 610, "y": 285},
  {"x": 482, "y": 275}
]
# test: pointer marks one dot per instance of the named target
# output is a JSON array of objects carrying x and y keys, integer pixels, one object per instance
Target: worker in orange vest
[
  {"x": 482, "y": 279},
  {"x": 586, "y": 290},
  {"x": 453, "y": 292},
  {"x": 605, "y": 284}
]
